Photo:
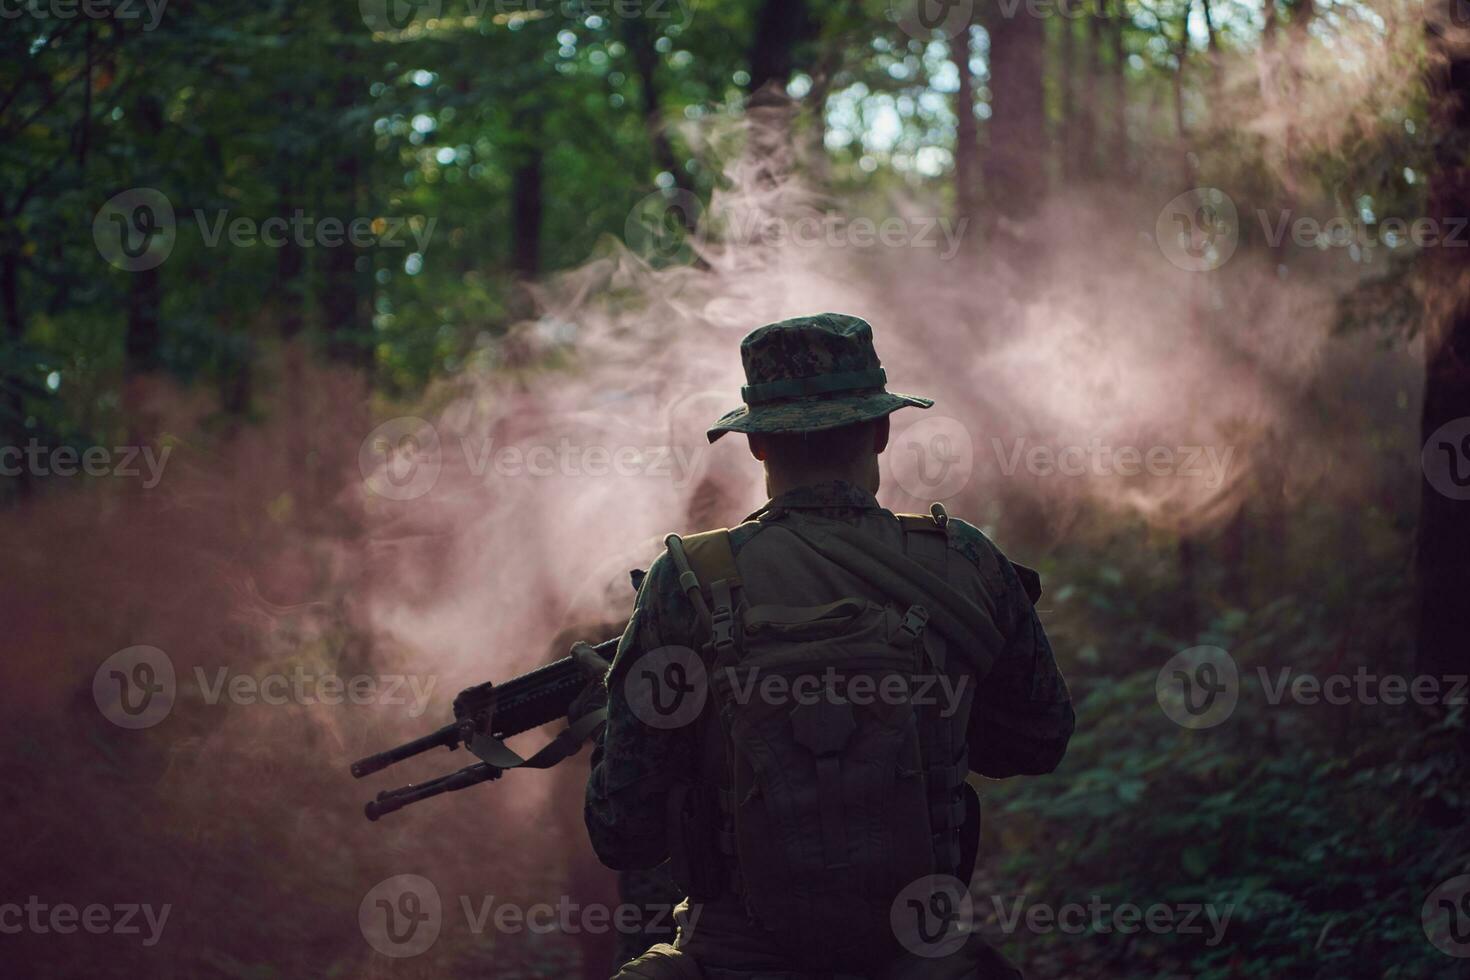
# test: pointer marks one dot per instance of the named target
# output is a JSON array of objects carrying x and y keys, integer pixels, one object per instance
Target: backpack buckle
[
  {"x": 722, "y": 625},
  {"x": 722, "y": 617},
  {"x": 914, "y": 621}
]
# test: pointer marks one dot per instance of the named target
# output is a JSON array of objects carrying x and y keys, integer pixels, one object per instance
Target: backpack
[{"x": 824, "y": 802}]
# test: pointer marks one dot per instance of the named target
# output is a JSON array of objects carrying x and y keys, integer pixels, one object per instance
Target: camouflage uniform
[{"x": 1019, "y": 721}]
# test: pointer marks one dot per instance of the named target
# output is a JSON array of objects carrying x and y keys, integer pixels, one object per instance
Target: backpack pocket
[{"x": 831, "y": 818}]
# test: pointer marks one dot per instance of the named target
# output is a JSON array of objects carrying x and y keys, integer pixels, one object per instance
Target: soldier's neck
[{"x": 864, "y": 476}]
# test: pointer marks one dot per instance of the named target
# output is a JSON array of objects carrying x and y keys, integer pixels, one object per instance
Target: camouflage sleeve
[
  {"x": 1023, "y": 718},
  {"x": 633, "y": 763}
]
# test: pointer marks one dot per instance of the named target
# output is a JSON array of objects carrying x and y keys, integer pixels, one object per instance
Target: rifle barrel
[
  {"x": 396, "y": 799},
  {"x": 448, "y": 736}
]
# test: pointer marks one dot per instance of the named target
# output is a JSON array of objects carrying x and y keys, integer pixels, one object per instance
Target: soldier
[{"x": 796, "y": 702}]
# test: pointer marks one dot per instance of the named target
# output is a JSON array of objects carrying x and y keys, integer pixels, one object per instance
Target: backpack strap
[
  {"x": 701, "y": 828},
  {"x": 706, "y": 561},
  {"x": 926, "y": 538},
  {"x": 951, "y": 812}
]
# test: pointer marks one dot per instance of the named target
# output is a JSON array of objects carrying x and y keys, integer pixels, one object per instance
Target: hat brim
[{"x": 814, "y": 414}]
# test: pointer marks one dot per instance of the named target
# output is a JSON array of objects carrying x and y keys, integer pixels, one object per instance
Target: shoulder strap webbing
[
  {"x": 711, "y": 558},
  {"x": 706, "y": 565},
  {"x": 706, "y": 561},
  {"x": 925, "y": 541}
]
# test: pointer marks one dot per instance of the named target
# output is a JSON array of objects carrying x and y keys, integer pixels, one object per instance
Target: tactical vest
[{"x": 816, "y": 806}]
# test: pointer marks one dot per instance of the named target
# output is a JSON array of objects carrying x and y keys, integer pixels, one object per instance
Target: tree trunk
[
  {"x": 15, "y": 327},
  {"x": 1181, "y": 127},
  {"x": 13, "y": 410},
  {"x": 1086, "y": 135},
  {"x": 140, "y": 343},
  {"x": 145, "y": 288},
  {"x": 966, "y": 149},
  {"x": 1014, "y": 179},
  {"x": 344, "y": 301},
  {"x": 1292, "y": 71},
  {"x": 1067, "y": 55},
  {"x": 527, "y": 204},
  {"x": 1119, "y": 78},
  {"x": 1210, "y": 32},
  {"x": 780, "y": 27},
  {"x": 346, "y": 280},
  {"x": 1443, "y": 558},
  {"x": 641, "y": 42}
]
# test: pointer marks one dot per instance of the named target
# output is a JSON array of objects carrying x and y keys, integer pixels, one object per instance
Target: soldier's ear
[
  {"x": 758, "y": 446},
  {"x": 880, "y": 434}
]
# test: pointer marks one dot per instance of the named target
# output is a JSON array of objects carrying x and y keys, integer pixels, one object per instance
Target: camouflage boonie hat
[{"x": 812, "y": 373}]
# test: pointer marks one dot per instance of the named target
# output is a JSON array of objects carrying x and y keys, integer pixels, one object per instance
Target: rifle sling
[{"x": 502, "y": 756}]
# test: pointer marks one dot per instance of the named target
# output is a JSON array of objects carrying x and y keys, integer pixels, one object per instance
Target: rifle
[{"x": 485, "y": 715}]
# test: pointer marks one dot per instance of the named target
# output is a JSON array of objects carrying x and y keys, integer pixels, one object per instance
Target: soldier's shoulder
[
  {"x": 973, "y": 543},
  {"x": 703, "y": 548},
  {"x": 737, "y": 536},
  {"x": 963, "y": 537},
  {"x": 979, "y": 553},
  {"x": 992, "y": 563},
  {"x": 741, "y": 534}
]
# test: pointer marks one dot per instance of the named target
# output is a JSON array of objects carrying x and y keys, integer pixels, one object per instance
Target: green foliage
[{"x": 1323, "y": 826}]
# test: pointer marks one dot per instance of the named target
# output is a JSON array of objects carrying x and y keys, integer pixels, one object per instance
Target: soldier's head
[
  {"x": 798, "y": 459},
  {"x": 816, "y": 407}
]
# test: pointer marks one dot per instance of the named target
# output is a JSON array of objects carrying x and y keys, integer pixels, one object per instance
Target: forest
[{"x": 354, "y": 353}]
